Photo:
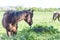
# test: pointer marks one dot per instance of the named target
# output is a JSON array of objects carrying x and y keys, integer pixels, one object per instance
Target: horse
[
  {"x": 56, "y": 15},
  {"x": 12, "y": 17}
]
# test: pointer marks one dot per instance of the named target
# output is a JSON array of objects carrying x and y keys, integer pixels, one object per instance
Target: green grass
[{"x": 43, "y": 28}]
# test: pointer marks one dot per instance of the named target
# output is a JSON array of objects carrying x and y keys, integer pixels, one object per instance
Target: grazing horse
[
  {"x": 12, "y": 17},
  {"x": 56, "y": 15}
]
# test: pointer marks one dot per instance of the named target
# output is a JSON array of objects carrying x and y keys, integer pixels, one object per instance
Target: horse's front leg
[
  {"x": 9, "y": 33},
  {"x": 14, "y": 29},
  {"x": 8, "y": 30}
]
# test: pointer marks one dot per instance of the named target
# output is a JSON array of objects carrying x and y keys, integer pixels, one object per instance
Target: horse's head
[{"x": 29, "y": 16}]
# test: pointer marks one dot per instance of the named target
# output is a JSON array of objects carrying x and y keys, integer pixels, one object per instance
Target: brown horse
[
  {"x": 12, "y": 17},
  {"x": 56, "y": 15}
]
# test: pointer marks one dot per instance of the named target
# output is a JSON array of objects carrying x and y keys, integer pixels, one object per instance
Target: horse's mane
[{"x": 11, "y": 11}]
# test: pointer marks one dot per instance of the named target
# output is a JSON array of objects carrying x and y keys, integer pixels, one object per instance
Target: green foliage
[
  {"x": 45, "y": 9},
  {"x": 20, "y": 8},
  {"x": 41, "y": 28}
]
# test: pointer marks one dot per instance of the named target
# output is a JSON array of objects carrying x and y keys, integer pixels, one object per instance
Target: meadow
[{"x": 43, "y": 28}]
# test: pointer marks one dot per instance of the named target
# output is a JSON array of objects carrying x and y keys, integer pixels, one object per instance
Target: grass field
[{"x": 43, "y": 28}]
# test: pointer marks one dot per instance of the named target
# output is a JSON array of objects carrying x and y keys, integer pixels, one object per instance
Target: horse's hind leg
[
  {"x": 9, "y": 30},
  {"x": 58, "y": 19}
]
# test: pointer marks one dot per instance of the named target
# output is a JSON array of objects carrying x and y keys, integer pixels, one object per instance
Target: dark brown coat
[{"x": 12, "y": 17}]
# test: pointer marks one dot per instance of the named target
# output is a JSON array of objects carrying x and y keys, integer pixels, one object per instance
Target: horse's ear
[
  {"x": 32, "y": 10},
  {"x": 29, "y": 9}
]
